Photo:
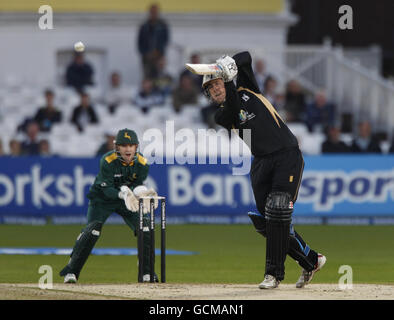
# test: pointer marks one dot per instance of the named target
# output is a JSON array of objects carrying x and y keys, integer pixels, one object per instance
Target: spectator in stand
[
  {"x": 280, "y": 100},
  {"x": 47, "y": 115},
  {"x": 295, "y": 102},
  {"x": 107, "y": 146},
  {"x": 79, "y": 73},
  {"x": 1, "y": 148},
  {"x": 333, "y": 144},
  {"x": 269, "y": 89},
  {"x": 148, "y": 96},
  {"x": 84, "y": 113},
  {"x": 30, "y": 146},
  {"x": 197, "y": 79},
  {"x": 320, "y": 112},
  {"x": 185, "y": 93},
  {"x": 44, "y": 149},
  {"x": 153, "y": 38},
  {"x": 163, "y": 81},
  {"x": 391, "y": 150},
  {"x": 260, "y": 73},
  {"x": 117, "y": 93},
  {"x": 15, "y": 148},
  {"x": 364, "y": 142}
]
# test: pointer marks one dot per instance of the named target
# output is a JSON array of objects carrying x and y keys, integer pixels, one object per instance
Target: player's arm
[
  {"x": 105, "y": 181},
  {"x": 228, "y": 114},
  {"x": 142, "y": 172},
  {"x": 245, "y": 76},
  {"x": 140, "y": 190}
]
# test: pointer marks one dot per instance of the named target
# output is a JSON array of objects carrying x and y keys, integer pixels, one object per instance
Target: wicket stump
[{"x": 151, "y": 228}]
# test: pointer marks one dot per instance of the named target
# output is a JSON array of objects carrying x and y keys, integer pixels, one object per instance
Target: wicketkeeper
[
  {"x": 117, "y": 188},
  {"x": 276, "y": 169}
]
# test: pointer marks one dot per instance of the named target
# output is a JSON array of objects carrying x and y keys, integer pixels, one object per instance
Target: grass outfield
[{"x": 226, "y": 253}]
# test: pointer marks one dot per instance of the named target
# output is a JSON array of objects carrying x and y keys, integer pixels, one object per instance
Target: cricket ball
[{"x": 79, "y": 46}]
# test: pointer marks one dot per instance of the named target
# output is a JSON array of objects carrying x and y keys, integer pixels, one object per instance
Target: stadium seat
[
  {"x": 95, "y": 93},
  {"x": 311, "y": 144}
]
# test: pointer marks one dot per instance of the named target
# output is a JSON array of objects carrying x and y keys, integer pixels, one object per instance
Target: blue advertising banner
[{"x": 332, "y": 187}]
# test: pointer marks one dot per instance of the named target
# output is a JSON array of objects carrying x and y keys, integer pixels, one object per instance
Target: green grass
[{"x": 227, "y": 253}]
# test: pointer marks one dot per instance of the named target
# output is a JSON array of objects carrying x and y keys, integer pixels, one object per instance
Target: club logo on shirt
[{"x": 245, "y": 116}]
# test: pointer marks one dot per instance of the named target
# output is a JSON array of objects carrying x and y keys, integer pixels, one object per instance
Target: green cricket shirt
[{"x": 114, "y": 173}]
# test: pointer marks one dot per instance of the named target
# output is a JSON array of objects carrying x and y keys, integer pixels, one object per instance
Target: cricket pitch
[{"x": 168, "y": 291}]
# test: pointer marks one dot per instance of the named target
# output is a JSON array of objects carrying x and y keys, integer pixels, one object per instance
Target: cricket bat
[{"x": 202, "y": 68}]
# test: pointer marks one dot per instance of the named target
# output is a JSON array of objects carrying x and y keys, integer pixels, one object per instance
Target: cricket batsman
[
  {"x": 117, "y": 188},
  {"x": 276, "y": 169}
]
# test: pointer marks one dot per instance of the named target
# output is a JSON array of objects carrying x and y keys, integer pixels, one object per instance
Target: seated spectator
[
  {"x": 84, "y": 113},
  {"x": 15, "y": 148},
  {"x": 79, "y": 73},
  {"x": 107, "y": 146},
  {"x": 391, "y": 150},
  {"x": 294, "y": 106},
  {"x": 43, "y": 148},
  {"x": 163, "y": 81},
  {"x": 260, "y": 73},
  {"x": 185, "y": 93},
  {"x": 47, "y": 115},
  {"x": 148, "y": 96},
  {"x": 269, "y": 89},
  {"x": 333, "y": 144},
  {"x": 320, "y": 112},
  {"x": 346, "y": 122},
  {"x": 116, "y": 94},
  {"x": 22, "y": 127},
  {"x": 280, "y": 100},
  {"x": 30, "y": 146},
  {"x": 197, "y": 79},
  {"x": 364, "y": 141}
]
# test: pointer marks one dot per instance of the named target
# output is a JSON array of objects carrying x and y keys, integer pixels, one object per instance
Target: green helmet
[{"x": 126, "y": 136}]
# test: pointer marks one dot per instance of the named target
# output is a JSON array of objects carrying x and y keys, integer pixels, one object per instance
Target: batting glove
[
  {"x": 228, "y": 68},
  {"x": 142, "y": 191},
  {"x": 129, "y": 198}
]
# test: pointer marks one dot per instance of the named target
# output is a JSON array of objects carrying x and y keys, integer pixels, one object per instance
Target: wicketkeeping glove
[
  {"x": 129, "y": 198},
  {"x": 229, "y": 69},
  {"x": 142, "y": 191}
]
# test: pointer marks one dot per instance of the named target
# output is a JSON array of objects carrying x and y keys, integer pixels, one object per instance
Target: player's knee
[
  {"x": 279, "y": 207},
  {"x": 94, "y": 228},
  {"x": 259, "y": 222}
]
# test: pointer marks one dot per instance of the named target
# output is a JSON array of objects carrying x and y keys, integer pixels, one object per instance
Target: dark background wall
[{"x": 373, "y": 23}]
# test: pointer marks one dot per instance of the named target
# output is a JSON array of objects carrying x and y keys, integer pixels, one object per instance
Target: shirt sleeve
[
  {"x": 105, "y": 181},
  {"x": 227, "y": 115},
  {"x": 142, "y": 175},
  {"x": 143, "y": 170},
  {"x": 245, "y": 77}
]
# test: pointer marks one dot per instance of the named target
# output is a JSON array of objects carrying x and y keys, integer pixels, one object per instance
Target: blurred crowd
[{"x": 296, "y": 106}]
